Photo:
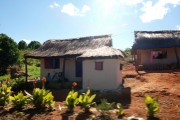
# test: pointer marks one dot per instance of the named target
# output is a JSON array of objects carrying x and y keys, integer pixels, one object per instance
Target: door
[{"x": 78, "y": 68}]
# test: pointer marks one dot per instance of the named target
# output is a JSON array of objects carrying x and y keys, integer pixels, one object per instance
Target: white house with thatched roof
[
  {"x": 90, "y": 60},
  {"x": 157, "y": 49}
]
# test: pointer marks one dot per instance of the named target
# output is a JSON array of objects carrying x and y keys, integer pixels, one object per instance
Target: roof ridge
[{"x": 78, "y": 38}]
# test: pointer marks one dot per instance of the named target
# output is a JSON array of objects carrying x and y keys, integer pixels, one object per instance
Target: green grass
[{"x": 33, "y": 71}]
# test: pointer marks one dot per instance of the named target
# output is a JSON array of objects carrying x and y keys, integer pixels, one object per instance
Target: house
[
  {"x": 90, "y": 60},
  {"x": 156, "y": 49}
]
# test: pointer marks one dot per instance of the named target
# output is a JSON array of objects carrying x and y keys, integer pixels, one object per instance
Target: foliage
[
  {"x": 9, "y": 52},
  {"x": 72, "y": 100},
  {"x": 41, "y": 98},
  {"x": 18, "y": 84},
  {"x": 127, "y": 52},
  {"x": 151, "y": 105},
  {"x": 86, "y": 100},
  {"x": 121, "y": 111},
  {"x": 22, "y": 45},
  {"x": 19, "y": 100},
  {"x": 5, "y": 93},
  {"x": 14, "y": 70},
  {"x": 33, "y": 71},
  {"x": 34, "y": 45},
  {"x": 128, "y": 56},
  {"x": 104, "y": 105}
]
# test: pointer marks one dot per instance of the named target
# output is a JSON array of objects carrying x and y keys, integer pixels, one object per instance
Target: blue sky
[{"x": 59, "y": 19}]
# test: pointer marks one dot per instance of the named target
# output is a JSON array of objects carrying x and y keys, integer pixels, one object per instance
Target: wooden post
[{"x": 26, "y": 70}]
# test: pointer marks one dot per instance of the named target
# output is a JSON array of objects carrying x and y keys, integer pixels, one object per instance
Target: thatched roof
[
  {"x": 156, "y": 39},
  {"x": 102, "y": 52},
  {"x": 71, "y": 47}
]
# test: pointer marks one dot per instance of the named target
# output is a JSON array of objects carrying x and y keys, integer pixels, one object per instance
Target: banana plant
[{"x": 86, "y": 100}]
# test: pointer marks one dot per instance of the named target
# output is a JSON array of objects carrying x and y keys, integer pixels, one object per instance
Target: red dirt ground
[{"x": 164, "y": 85}]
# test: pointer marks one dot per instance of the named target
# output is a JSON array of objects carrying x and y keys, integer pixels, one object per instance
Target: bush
[
  {"x": 19, "y": 100},
  {"x": 104, "y": 105},
  {"x": 41, "y": 98},
  {"x": 86, "y": 101},
  {"x": 5, "y": 93},
  {"x": 151, "y": 105},
  {"x": 18, "y": 84},
  {"x": 72, "y": 100}
]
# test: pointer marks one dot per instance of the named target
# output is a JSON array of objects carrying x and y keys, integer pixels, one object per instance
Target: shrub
[
  {"x": 72, "y": 100},
  {"x": 104, "y": 105},
  {"x": 5, "y": 93},
  {"x": 19, "y": 100},
  {"x": 41, "y": 98},
  {"x": 86, "y": 100},
  {"x": 18, "y": 84},
  {"x": 151, "y": 105}
]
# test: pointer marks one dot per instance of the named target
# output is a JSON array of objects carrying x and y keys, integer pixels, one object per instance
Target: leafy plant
[
  {"x": 41, "y": 98},
  {"x": 5, "y": 93},
  {"x": 104, "y": 105},
  {"x": 18, "y": 84},
  {"x": 86, "y": 100},
  {"x": 151, "y": 105},
  {"x": 19, "y": 100},
  {"x": 9, "y": 53},
  {"x": 121, "y": 111},
  {"x": 72, "y": 100}
]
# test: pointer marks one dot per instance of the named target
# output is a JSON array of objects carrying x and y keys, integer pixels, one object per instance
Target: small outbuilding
[
  {"x": 89, "y": 60},
  {"x": 156, "y": 49}
]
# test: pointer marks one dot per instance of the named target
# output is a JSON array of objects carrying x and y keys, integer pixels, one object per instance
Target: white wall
[
  {"x": 108, "y": 78},
  {"x": 44, "y": 71},
  {"x": 69, "y": 70},
  {"x": 145, "y": 57}
]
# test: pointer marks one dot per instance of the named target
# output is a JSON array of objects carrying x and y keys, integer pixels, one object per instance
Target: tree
[
  {"x": 9, "y": 53},
  {"x": 127, "y": 51},
  {"x": 22, "y": 45},
  {"x": 34, "y": 45}
]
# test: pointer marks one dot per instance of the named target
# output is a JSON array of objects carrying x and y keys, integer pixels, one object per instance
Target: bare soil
[{"x": 164, "y": 85}]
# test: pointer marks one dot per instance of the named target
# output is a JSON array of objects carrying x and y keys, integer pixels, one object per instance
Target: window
[
  {"x": 159, "y": 54},
  {"x": 98, "y": 65},
  {"x": 51, "y": 63}
]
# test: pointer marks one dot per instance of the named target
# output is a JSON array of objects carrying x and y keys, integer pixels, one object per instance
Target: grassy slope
[{"x": 33, "y": 70}]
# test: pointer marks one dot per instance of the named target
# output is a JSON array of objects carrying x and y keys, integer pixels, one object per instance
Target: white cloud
[
  {"x": 131, "y": 2},
  {"x": 72, "y": 10},
  {"x": 26, "y": 40},
  {"x": 157, "y": 11},
  {"x": 54, "y": 5},
  {"x": 85, "y": 9},
  {"x": 178, "y": 27},
  {"x": 109, "y": 6}
]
